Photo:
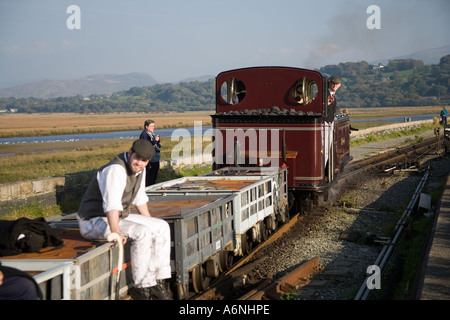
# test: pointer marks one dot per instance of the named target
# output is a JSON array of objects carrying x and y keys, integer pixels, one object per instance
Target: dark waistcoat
[{"x": 91, "y": 204}]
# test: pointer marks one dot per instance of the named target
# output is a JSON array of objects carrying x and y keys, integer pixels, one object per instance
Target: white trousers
[
  {"x": 328, "y": 137},
  {"x": 150, "y": 246}
]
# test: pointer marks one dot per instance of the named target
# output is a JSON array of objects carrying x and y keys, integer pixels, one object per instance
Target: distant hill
[
  {"x": 93, "y": 84},
  {"x": 428, "y": 56},
  {"x": 200, "y": 78}
]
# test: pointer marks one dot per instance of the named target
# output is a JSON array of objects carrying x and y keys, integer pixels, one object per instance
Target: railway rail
[
  {"x": 401, "y": 157},
  {"x": 366, "y": 289},
  {"x": 270, "y": 288}
]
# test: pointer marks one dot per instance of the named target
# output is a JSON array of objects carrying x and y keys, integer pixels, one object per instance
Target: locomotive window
[
  {"x": 304, "y": 90},
  {"x": 233, "y": 91}
]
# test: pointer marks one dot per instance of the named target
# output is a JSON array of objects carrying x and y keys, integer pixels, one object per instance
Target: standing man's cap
[
  {"x": 336, "y": 79},
  {"x": 143, "y": 148}
]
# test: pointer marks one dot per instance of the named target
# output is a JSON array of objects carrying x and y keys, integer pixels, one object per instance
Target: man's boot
[
  {"x": 139, "y": 293},
  {"x": 160, "y": 291}
]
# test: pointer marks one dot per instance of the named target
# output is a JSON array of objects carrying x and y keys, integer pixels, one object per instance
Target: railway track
[
  {"x": 401, "y": 157},
  {"x": 221, "y": 287},
  {"x": 281, "y": 287}
]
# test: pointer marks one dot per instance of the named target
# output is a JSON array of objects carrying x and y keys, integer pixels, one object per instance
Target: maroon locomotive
[{"x": 279, "y": 116}]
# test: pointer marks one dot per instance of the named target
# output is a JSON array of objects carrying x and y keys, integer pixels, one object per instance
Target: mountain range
[
  {"x": 109, "y": 83},
  {"x": 93, "y": 84}
]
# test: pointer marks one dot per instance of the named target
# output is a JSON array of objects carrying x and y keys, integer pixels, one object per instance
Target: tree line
[{"x": 403, "y": 82}]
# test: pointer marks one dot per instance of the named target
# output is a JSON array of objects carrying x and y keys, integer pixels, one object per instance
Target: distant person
[
  {"x": 105, "y": 209},
  {"x": 18, "y": 285},
  {"x": 443, "y": 115},
  {"x": 153, "y": 165}
]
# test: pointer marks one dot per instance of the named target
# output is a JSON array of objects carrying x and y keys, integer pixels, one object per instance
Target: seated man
[{"x": 105, "y": 209}]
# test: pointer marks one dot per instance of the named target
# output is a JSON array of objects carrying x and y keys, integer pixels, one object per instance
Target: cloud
[
  {"x": 286, "y": 51},
  {"x": 38, "y": 47},
  {"x": 67, "y": 45},
  {"x": 11, "y": 49},
  {"x": 406, "y": 27}
]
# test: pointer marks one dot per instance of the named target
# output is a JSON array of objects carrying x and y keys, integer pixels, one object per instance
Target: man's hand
[{"x": 113, "y": 221}]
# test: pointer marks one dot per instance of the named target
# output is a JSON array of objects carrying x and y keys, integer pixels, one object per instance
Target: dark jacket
[
  {"x": 150, "y": 136},
  {"x": 9, "y": 272},
  {"x": 37, "y": 234}
]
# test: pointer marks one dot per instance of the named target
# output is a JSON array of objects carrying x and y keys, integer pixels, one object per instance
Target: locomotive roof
[{"x": 265, "y": 87}]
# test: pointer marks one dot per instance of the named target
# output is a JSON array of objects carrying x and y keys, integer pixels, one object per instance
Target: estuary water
[{"x": 104, "y": 135}]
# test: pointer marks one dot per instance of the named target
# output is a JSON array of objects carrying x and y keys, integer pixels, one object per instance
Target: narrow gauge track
[
  {"x": 366, "y": 289},
  {"x": 401, "y": 157},
  {"x": 271, "y": 288}
]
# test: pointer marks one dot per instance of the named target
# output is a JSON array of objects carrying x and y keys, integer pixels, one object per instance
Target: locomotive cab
[{"x": 277, "y": 117}]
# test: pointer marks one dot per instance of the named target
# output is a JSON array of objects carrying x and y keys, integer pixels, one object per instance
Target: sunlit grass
[
  {"x": 38, "y": 210},
  {"x": 32, "y": 211},
  {"x": 402, "y": 133},
  {"x": 27, "y": 125},
  {"x": 22, "y": 167}
]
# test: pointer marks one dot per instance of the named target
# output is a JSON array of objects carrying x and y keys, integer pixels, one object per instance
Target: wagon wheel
[
  {"x": 246, "y": 243},
  {"x": 182, "y": 291},
  {"x": 263, "y": 231},
  {"x": 225, "y": 261},
  {"x": 200, "y": 280}
]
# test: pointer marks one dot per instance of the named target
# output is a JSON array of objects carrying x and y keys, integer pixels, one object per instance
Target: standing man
[
  {"x": 333, "y": 85},
  {"x": 153, "y": 166},
  {"x": 105, "y": 209}
]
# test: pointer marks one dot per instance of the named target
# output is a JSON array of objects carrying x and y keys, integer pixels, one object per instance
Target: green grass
[
  {"x": 32, "y": 211},
  {"x": 28, "y": 166},
  {"x": 397, "y": 134},
  {"x": 37, "y": 210}
]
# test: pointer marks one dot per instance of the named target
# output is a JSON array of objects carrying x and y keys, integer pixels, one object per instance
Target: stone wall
[
  {"x": 52, "y": 190},
  {"x": 364, "y": 133}
]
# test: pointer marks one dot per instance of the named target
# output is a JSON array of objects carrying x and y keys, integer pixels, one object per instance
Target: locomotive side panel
[
  {"x": 274, "y": 144},
  {"x": 304, "y": 145},
  {"x": 300, "y": 147},
  {"x": 342, "y": 142}
]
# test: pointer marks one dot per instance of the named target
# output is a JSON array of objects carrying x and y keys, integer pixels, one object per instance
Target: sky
[{"x": 172, "y": 40}]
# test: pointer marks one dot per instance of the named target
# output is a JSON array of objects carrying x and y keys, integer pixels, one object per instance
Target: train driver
[{"x": 333, "y": 85}]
